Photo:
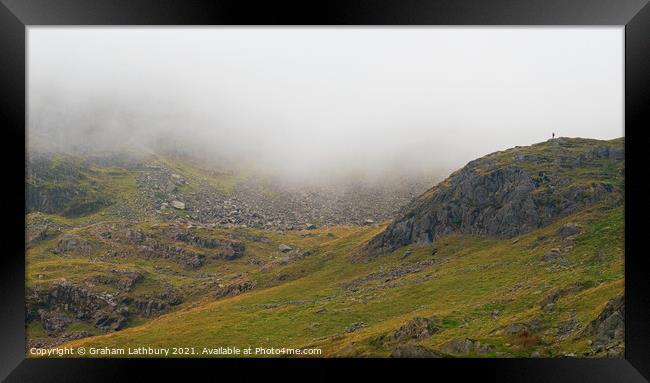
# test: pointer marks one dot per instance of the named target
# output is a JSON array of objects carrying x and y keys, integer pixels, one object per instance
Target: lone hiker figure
[{"x": 553, "y": 135}]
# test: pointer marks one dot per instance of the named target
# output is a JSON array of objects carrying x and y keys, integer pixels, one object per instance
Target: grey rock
[
  {"x": 176, "y": 204},
  {"x": 484, "y": 348},
  {"x": 516, "y": 329},
  {"x": 568, "y": 230},
  {"x": 413, "y": 351},
  {"x": 355, "y": 326},
  {"x": 284, "y": 248},
  {"x": 156, "y": 304},
  {"x": 551, "y": 255},
  {"x": 458, "y": 346},
  {"x": 416, "y": 329},
  {"x": 70, "y": 243},
  {"x": 79, "y": 305},
  {"x": 222, "y": 248},
  {"x": 608, "y": 329},
  {"x": 568, "y": 326},
  {"x": 109, "y": 321},
  {"x": 235, "y": 288}
]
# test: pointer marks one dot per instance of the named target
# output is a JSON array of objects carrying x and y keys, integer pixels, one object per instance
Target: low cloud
[{"x": 321, "y": 102}]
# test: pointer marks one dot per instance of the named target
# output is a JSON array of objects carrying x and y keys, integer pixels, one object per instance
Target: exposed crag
[{"x": 508, "y": 193}]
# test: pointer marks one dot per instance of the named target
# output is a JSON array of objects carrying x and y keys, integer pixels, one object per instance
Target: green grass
[
  {"x": 477, "y": 277},
  {"x": 305, "y": 302},
  {"x": 35, "y": 330}
]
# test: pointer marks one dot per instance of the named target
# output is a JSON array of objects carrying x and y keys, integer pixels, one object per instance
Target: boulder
[
  {"x": 516, "y": 329},
  {"x": 355, "y": 326},
  {"x": 417, "y": 328},
  {"x": 458, "y": 346},
  {"x": 176, "y": 204},
  {"x": 551, "y": 255},
  {"x": 568, "y": 230},
  {"x": 284, "y": 248}
]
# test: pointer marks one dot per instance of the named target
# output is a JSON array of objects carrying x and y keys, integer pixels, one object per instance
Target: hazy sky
[{"x": 312, "y": 100}]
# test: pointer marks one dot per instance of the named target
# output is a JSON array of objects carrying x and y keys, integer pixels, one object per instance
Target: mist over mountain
[
  {"x": 292, "y": 189},
  {"x": 324, "y": 103}
]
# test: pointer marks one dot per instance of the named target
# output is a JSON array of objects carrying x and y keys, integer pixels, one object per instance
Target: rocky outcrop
[
  {"x": 608, "y": 329},
  {"x": 188, "y": 259},
  {"x": 61, "y": 187},
  {"x": 64, "y": 303},
  {"x": 505, "y": 194},
  {"x": 124, "y": 280},
  {"x": 223, "y": 249},
  {"x": 385, "y": 276},
  {"x": 37, "y": 233},
  {"x": 156, "y": 304},
  {"x": 416, "y": 329},
  {"x": 70, "y": 243},
  {"x": 234, "y": 288}
]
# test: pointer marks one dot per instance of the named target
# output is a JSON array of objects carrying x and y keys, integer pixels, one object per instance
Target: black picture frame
[{"x": 16, "y": 15}]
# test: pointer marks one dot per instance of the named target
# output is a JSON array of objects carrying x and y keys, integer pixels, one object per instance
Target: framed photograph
[{"x": 453, "y": 185}]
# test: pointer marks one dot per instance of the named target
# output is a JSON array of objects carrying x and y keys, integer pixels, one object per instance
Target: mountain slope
[
  {"x": 514, "y": 297},
  {"x": 512, "y": 192},
  {"x": 519, "y": 254}
]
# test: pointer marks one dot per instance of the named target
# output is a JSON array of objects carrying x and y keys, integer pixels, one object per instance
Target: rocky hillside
[
  {"x": 139, "y": 186},
  {"x": 519, "y": 254},
  {"x": 511, "y": 192},
  {"x": 553, "y": 292}
]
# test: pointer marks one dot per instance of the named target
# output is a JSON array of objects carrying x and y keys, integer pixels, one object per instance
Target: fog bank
[{"x": 306, "y": 102}]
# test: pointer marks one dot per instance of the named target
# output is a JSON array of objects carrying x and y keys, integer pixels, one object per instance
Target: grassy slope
[{"x": 478, "y": 277}]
